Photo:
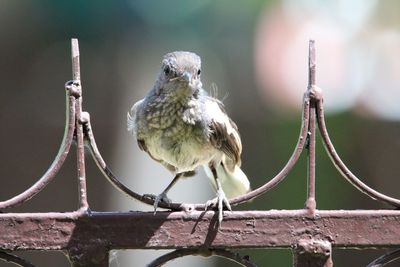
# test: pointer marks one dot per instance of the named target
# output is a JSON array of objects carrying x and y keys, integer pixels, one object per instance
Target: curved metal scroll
[
  {"x": 346, "y": 173},
  {"x": 289, "y": 165},
  {"x": 235, "y": 257},
  {"x": 58, "y": 161},
  {"x": 15, "y": 259},
  {"x": 385, "y": 259}
]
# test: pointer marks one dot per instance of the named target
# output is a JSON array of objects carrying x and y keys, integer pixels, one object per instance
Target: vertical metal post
[
  {"x": 95, "y": 256},
  {"x": 76, "y": 76},
  {"x": 311, "y": 202},
  {"x": 312, "y": 252}
]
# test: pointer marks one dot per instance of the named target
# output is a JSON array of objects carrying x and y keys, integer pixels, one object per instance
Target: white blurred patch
[
  {"x": 358, "y": 63},
  {"x": 382, "y": 85}
]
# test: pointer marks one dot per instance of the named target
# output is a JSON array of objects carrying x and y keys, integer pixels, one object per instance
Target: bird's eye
[
  {"x": 167, "y": 70},
  {"x": 198, "y": 72}
]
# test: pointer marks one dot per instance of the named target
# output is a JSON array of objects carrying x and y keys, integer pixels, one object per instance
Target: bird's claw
[
  {"x": 157, "y": 199},
  {"x": 220, "y": 201}
]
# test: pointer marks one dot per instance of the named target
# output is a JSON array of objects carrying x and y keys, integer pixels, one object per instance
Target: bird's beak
[{"x": 186, "y": 76}]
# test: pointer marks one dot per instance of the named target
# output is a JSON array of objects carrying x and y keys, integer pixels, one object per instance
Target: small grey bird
[{"x": 179, "y": 125}]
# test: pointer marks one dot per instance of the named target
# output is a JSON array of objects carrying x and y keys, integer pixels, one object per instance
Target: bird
[{"x": 182, "y": 127}]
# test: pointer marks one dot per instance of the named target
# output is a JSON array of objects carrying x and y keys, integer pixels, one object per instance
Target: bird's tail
[{"x": 234, "y": 183}]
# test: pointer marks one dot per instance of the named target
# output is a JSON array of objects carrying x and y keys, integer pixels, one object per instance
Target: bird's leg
[
  {"x": 163, "y": 196},
  {"x": 221, "y": 199}
]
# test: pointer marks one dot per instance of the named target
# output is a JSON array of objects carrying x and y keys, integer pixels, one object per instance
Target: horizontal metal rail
[{"x": 173, "y": 230}]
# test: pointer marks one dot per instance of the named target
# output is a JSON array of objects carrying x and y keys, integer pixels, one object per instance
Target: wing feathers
[{"x": 224, "y": 135}]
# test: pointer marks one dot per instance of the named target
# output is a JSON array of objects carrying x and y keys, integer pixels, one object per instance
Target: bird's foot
[
  {"x": 159, "y": 198},
  {"x": 219, "y": 202}
]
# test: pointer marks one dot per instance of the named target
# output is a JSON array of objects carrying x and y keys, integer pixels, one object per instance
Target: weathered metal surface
[
  {"x": 165, "y": 230},
  {"x": 313, "y": 253},
  {"x": 311, "y": 202},
  {"x": 80, "y": 120}
]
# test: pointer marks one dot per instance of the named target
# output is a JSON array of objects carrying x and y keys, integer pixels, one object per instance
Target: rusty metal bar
[
  {"x": 312, "y": 66},
  {"x": 175, "y": 230},
  {"x": 15, "y": 259},
  {"x": 313, "y": 253},
  {"x": 76, "y": 68},
  {"x": 179, "y": 253},
  {"x": 76, "y": 76},
  {"x": 311, "y": 201}
]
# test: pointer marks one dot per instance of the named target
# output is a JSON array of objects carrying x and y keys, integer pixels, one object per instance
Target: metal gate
[{"x": 88, "y": 236}]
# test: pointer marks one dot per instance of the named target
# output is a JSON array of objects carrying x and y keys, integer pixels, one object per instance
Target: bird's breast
[
  {"x": 183, "y": 149},
  {"x": 177, "y": 135}
]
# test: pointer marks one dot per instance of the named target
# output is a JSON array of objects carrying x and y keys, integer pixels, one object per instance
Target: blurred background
[{"x": 254, "y": 52}]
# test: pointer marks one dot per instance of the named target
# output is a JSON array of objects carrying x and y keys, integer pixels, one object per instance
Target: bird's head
[{"x": 180, "y": 74}]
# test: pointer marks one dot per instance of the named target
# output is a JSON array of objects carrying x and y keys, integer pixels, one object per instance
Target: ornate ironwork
[{"x": 309, "y": 232}]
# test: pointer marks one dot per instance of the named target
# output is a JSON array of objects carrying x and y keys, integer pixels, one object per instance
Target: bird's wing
[
  {"x": 131, "y": 117},
  {"x": 224, "y": 134}
]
